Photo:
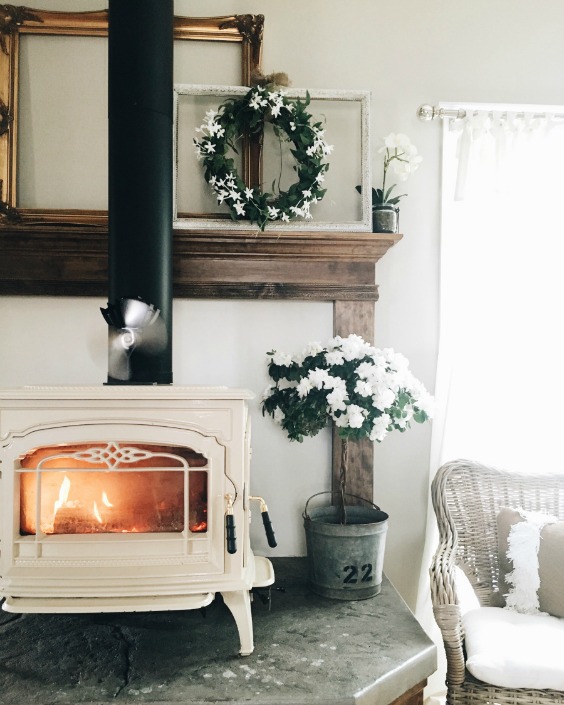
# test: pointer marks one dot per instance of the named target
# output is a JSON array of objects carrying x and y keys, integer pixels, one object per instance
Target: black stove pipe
[{"x": 140, "y": 169}]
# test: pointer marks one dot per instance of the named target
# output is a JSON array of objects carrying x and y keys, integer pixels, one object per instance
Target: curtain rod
[{"x": 426, "y": 113}]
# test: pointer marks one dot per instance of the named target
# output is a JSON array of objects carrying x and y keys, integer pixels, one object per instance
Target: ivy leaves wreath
[{"x": 292, "y": 122}]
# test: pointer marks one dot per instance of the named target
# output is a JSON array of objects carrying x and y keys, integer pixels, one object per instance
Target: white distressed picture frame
[{"x": 209, "y": 222}]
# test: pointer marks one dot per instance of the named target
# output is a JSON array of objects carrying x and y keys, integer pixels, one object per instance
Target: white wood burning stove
[{"x": 127, "y": 498}]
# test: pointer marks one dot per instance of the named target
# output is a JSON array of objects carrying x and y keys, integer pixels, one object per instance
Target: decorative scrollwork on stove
[{"x": 112, "y": 455}]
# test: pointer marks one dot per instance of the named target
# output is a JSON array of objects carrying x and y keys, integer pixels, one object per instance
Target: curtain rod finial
[{"x": 426, "y": 112}]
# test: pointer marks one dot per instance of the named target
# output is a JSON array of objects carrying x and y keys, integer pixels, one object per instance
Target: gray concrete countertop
[{"x": 308, "y": 650}]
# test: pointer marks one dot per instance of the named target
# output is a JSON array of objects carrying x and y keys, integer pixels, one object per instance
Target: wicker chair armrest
[
  {"x": 443, "y": 566},
  {"x": 448, "y": 619},
  {"x": 447, "y": 612},
  {"x": 442, "y": 572}
]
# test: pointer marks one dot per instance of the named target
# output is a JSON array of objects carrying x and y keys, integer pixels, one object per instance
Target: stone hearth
[{"x": 309, "y": 650}]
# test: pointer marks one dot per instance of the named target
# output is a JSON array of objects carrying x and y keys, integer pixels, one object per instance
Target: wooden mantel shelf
[{"x": 326, "y": 266}]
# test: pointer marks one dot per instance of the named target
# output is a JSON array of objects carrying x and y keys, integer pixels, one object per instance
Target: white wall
[{"x": 407, "y": 53}]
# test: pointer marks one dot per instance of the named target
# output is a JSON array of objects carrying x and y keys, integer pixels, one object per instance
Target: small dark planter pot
[{"x": 385, "y": 219}]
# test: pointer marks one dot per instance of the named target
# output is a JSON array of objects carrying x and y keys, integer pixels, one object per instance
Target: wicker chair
[{"x": 467, "y": 497}]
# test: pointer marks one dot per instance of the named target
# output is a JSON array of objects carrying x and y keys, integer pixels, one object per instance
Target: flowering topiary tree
[{"x": 366, "y": 392}]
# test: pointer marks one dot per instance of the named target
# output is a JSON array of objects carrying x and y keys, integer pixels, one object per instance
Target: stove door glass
[{"x": 113, "y": 487}]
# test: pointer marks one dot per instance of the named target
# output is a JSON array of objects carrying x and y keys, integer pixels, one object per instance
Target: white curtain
[{"x": 500, "y": 376}]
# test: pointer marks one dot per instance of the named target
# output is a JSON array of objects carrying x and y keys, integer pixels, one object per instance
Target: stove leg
[{"x": 239, "y": 604}]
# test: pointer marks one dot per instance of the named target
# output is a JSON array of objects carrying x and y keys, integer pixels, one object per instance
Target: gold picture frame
[{"x": 15, "y": 22}]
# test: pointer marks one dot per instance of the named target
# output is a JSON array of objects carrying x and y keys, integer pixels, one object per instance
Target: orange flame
[
  {"x": 96, "y": 513},
  {"x": 64, "y": 490},
  {"x": 198, "y": 528}
]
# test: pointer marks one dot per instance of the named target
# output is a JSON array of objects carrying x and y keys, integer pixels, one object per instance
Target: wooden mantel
[{"x": 71, "y": 260}]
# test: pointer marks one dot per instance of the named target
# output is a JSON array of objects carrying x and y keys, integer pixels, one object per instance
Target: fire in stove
[{"x": 71, "y": 490}]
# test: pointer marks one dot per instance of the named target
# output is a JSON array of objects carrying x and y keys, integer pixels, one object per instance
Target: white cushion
[{"x": 514, "y": 650}]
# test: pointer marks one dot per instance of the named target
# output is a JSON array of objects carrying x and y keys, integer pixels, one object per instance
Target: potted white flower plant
[
  {"x": 401, "y": 160},
  {"x": 365, "y": 392}
]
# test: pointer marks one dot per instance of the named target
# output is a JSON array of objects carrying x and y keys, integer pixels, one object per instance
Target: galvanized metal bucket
[{"x": 345, "y": 561}]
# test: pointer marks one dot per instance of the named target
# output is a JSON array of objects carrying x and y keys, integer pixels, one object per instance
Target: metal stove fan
[{"x": 134, "y": 325}]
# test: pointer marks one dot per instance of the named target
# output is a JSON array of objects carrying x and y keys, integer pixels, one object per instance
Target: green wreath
[{"x": 222, "y": 128}]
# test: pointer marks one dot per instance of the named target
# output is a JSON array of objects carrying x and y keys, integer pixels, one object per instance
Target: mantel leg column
[{"x": 355, "y": 317}]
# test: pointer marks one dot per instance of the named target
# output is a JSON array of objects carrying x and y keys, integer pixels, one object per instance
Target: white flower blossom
[
  {"x": 318, "y": 377},
  {"x": 336, "y": 399},
  {"x": 354, "y": 347},
  {"x": 355, "y": 415},
  {"x": 363, "y": 388},
  {"x": 257, "y": 102},
  {"x": 383, "y": 398},
  {"x": 334, "y": 357},
  {"x": 273, "y": 212},
  {"x": 341, "y": 420},
  {"x": 400, "y": 159},
  {"x": 313, "y": 349},
  {"x": 279, "y": 415},
  {"x": 268, "y": 392},
  {"x": 304, "y": 387},
  {"x": 248, "y": 193},
  {"x": 380, "y": 428},
  {"x": 281, "y": 358},
  {"x": 332, "y": 382},
  {"x": 239, "y": 208}
]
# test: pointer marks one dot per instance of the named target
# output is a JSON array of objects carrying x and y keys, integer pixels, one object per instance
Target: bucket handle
[{"x": 332, "y": 492}]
